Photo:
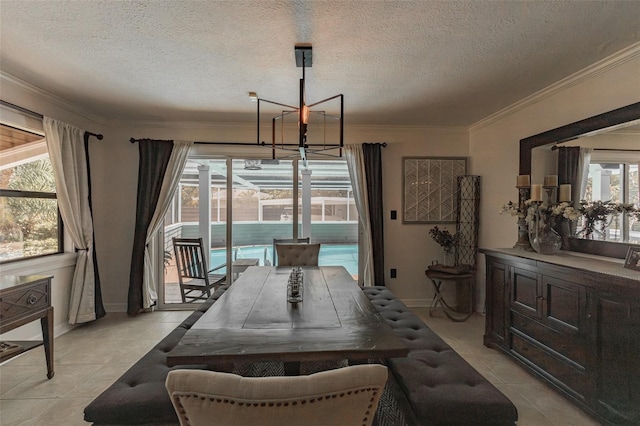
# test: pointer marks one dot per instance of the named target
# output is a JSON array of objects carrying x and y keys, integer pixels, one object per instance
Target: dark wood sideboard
[
  {"x": 24, "y": 299},
  {"x": 574, "y": 322}
]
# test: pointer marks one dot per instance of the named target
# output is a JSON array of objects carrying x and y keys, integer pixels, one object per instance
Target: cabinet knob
[{"x": 32, "y": 299}]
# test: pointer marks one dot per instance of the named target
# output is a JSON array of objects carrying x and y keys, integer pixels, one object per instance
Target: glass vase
[
  {"x": 449, "y": 256},
  {"x": 544, "y": 239}
]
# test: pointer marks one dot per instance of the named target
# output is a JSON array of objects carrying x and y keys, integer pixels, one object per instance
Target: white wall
[{"x": 494, "y": 145}]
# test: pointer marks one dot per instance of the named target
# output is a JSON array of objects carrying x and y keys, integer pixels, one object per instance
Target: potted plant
[{"x": 448, "y": 242}]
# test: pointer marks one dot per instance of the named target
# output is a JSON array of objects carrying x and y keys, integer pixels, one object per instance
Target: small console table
[{"x": 24, "y": 299}]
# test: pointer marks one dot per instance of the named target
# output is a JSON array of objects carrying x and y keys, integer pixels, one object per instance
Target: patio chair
[
  {"x": 298, "y": 254},
  {"x": 344, "y": 396},
  {"x": 196, "y": 280},
  {"x": 285, "y": 241}
]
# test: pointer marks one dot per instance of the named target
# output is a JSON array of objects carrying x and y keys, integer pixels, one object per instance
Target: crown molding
[
  {"x": 208, "y": 125},
  {"x": 48, "y": 97},
  {"x": 613, "y": 61}
]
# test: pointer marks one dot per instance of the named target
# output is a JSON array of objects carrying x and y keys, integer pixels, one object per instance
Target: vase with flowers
[
  {"x": 598, "y": 215},
  {"x": 595, "y": 215},
  {"x": 448, "y": 242},
  {"x": 543, "y": 220}
]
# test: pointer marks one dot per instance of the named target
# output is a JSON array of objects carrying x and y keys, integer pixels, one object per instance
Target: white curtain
[
  {"x": 583, "y": 171},
  {"x": 175, "y": 167},
  {"x": 355, "y": 164},
  {"x": 68, "y": 158}
]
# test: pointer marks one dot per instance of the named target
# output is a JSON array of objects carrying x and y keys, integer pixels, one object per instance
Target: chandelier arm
[
  {"x": 326, "y": 100},
  {"x": 278, "y": 103}
]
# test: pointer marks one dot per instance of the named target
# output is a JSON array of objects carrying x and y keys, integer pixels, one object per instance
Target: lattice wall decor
[
  {"x": 429, "y": 188},
  {"x": 468, "y": 220}
]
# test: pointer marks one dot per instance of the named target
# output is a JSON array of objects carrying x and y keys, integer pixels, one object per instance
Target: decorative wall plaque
[{"x": 429, "y": 187}]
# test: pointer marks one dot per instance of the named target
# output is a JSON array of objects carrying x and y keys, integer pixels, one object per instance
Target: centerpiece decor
[
  {"x": 448, "y": 242},
  {"x": 295, "y": 287}
]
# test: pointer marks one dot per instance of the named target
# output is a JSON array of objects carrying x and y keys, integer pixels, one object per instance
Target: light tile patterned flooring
[{"x": 91, "y": 357}]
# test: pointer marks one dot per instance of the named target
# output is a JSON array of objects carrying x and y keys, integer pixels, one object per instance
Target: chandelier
[{"x": 304, "y": 112}]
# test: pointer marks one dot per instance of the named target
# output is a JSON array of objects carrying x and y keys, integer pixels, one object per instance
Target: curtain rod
[
  {"x": 40, "y": 116},
  {"x": 553, "y": 148},
  {"x": 263, "y": 143}
]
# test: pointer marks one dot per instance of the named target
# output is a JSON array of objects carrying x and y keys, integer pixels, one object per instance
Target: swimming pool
[{"x": 330, "y": 255}]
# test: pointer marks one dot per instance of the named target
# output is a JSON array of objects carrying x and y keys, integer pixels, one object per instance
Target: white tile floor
[{"x": 91, "y": 357}]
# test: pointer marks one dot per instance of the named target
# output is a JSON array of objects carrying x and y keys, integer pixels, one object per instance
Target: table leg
[
  {"x": 292, "y": 368},
  {"x": 223, "y": 367},
  {"x": 47, "y": 340}
]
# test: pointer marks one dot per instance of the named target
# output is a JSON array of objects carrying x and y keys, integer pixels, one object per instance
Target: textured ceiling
[{"x": 430, "y": 63}]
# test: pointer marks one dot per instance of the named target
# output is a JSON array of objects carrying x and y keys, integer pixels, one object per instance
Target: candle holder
[
  {"x": 295, "y": 287},
  {"x": 523, "y": 231},
  {"x": 550, "y": 190}
]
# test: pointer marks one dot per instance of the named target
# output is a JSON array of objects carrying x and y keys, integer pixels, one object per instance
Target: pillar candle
[
  {"x": 524, "y": 181},
  {"x": 565, "y": 192},
  {"x": 551, "y": 180},
  {"x": 536, "y": 192}
]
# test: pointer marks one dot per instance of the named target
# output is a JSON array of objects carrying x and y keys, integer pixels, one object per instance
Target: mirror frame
[{"x": 572, "y": 131}]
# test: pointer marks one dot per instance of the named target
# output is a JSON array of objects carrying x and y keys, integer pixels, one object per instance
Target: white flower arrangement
[{"x": 550, "y": 213}]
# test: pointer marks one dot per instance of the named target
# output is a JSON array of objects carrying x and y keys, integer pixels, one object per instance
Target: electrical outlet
[
  {"x": 393, "y": 273},
  {"x": 394, "y": 214}
]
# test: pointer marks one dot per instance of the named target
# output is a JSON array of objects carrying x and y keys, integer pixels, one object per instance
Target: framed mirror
[{"x": 606, "y": 122}]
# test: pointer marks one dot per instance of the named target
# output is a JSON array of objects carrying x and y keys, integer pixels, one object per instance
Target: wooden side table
[
  {"x": 24, "y": 299},
  {"x": 438, "y": 278}
]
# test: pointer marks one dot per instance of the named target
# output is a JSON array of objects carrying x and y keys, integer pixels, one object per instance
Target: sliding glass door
[{"x": 262, "y": 200}]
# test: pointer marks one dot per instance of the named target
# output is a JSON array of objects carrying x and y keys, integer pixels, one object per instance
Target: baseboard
[
  {"x": 417, "y": 303},
  {"x": 115, "y": 307}
]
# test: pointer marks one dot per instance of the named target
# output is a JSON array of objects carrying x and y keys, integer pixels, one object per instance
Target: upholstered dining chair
[
  {"x": 286, "y": 241},
  {"x": 298, "y": 254},
  {"x": 195, "y": 279},
  {"x": 345, "y": 396}
]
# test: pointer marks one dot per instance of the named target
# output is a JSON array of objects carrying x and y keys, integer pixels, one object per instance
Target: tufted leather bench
[
  {"x": 139, "y": 395},
  {"x": 440, "y": 386}
]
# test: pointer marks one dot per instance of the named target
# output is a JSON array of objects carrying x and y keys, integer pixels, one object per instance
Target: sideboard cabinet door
[
  {"x": 497, "y": 298},
  {"x": 616, "y": 339},
  {"x": 526, "y": 292}
]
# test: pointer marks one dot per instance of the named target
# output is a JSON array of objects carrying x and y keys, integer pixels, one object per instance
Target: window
[
  {"x": 613, "y": 176},
  {"x": 30, "y": 224}
]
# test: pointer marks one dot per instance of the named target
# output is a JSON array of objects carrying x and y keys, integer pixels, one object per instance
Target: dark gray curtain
[
  {"x": 99, "y": 306},
  {"x": 372, "y": 153},
  {"x": 154, "y": 157},
  {"x": 569, "y": 172},
  {"x": 568, "y": 169}
]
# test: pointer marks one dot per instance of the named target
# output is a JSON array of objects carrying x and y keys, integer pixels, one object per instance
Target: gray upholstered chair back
[
  {"x": 298, "y": 254},
  {"x": 345, "y": 396},
  {"x": 286, "y": 241}
]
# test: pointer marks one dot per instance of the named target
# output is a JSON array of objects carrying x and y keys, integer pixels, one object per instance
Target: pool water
[{"x": 330, "y": 255}]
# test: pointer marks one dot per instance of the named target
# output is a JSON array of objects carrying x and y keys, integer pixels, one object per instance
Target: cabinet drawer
[
  {"x": 23, "y": 301},
  {"x": 570, "y": 345},
  {"x": 574, "y": 380}
]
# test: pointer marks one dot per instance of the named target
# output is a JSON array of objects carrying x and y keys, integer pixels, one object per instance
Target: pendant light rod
[{"x": 304, "y": 59}]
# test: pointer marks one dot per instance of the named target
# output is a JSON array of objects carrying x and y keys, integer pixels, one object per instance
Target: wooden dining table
[{"x": 253, "y": 321}]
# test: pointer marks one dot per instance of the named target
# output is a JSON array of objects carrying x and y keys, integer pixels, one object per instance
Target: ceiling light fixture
[{"x": 303, "y": 111}]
